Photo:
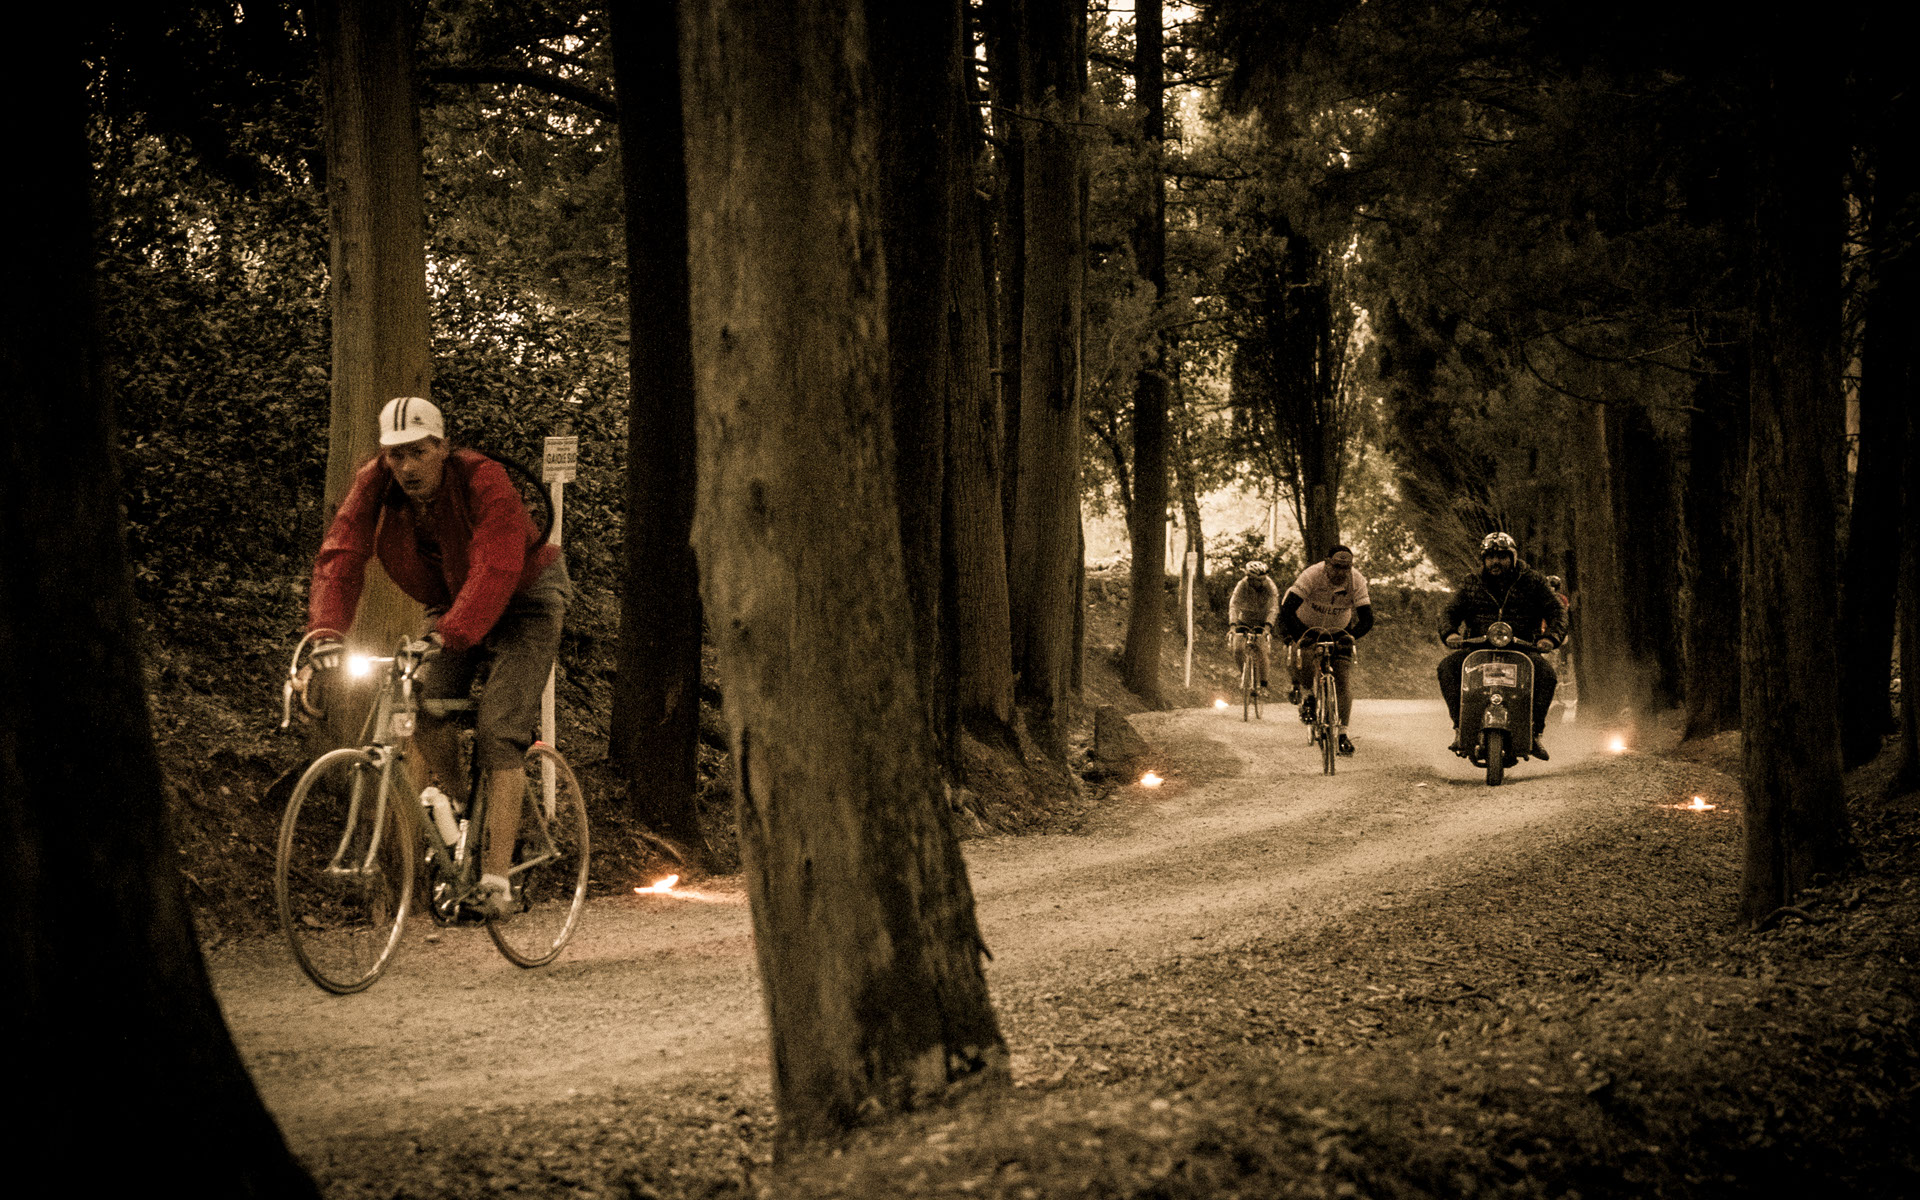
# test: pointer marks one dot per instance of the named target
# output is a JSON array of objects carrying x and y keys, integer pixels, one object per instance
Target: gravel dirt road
[{"x": 1245, "y": 840}]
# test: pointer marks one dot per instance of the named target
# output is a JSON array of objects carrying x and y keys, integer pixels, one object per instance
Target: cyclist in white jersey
[{"x": 1327, "y": 595}]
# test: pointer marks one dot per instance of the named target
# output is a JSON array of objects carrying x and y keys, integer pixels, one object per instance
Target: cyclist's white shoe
[{"x": 493, "y": 898}]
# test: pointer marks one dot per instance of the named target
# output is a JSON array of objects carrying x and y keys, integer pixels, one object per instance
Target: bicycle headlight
[
  {"x": 359, "y": 666},
  {"x": 1500, "y": 633}
]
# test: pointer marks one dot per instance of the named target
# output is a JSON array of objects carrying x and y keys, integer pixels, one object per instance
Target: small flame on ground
[
  {"x": 660, "y": 887},
  {"x": 1698, "y": 804},
  {"x": 1618, "y": 745},
  {"x": 1151, "y": 780},
  {"x": 1219, "y": 703}
]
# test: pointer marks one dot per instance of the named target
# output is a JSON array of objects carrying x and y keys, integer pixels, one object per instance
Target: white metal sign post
[
  {"x": 557, "y": 465},
  {"x": 1192, "y": 564}
]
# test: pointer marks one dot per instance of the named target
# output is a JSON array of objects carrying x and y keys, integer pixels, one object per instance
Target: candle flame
[
  {"x": 1618, "y": 745},
  {"x": 1150, "y": 780},
  {"x": 1219, "y": 703}
]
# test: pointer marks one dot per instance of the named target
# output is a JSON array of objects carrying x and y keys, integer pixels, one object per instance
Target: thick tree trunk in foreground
[
  {"x": 655, "y": 731},
  {"x": 1043, "y": 574},
  {"x": 378, "y": 269},
  {"x": 864, "y": 926},
  {"x": 1796, "y": 820},
  {"x": 1147, "y": 525},
  {"x": 105, "y": 983}
]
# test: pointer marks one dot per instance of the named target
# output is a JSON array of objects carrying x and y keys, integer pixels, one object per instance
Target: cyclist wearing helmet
[
  {"x": 1255, "y": 604},
  {"x": 1327, "y": 595},
  {"x": 453, "y": 533},
  {"x": 1503, "y": 589}
]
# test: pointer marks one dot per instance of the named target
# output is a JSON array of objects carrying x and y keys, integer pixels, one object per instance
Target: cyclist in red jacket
[{"x": 453, "y": 533}]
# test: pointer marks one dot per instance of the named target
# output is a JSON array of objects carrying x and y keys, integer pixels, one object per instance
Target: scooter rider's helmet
[{"x": 1257, "y": 569}]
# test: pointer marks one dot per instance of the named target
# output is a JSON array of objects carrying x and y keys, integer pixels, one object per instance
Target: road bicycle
[
  {"x": 1324, "y": 731},
  {"x": 1256, "y": 636},
  {"x": 355, "y": 832}
]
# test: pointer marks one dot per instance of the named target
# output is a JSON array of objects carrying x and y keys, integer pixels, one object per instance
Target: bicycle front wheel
[
  {"x": 549, "y": 872},
  {"x": 1327, "y": 701},
  {"x": 342, "y": 875}
]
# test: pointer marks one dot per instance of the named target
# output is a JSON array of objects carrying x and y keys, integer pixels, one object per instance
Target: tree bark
[
  {"x": 1004, "y": 23},
  {"x": 1147, "y": 517},
  {"x": 378, "y": 271},
  {"x": 1796, "y": 821},
  {"x": 105, "y": 981},
  {"x": 975, "y": 569},
  {"x": 1710, "y": 627},
  {"x": 864, "y": 925},
  {"x": 1609, "y": 674},
  {"x": 1875, "y": 519},
  {"x": 1648, "y": 507},
  {"x": 1043, "y": 574},
  {"x": 1190, "y": 513},
  {"x": 654, "y": 735},
  {"x": 916, "y": 60}
]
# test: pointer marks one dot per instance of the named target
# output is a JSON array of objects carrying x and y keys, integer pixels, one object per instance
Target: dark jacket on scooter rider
[{"x": 1525, "y": 602}]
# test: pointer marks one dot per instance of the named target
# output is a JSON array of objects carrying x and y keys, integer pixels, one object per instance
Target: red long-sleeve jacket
[{"x": 473, "y": 549}]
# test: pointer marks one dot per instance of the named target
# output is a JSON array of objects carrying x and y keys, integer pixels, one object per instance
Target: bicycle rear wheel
[
  {"x": 342, "y": 884},
  {"x": 549, "y": 872}
]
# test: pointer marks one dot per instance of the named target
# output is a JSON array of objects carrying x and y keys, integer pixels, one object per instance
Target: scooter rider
[
  {"x": 1256, "y": 604},
  {"x": 1503, "y": 590}
]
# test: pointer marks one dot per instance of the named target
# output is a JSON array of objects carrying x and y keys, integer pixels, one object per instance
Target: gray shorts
[{"x": 521, "y": 648}]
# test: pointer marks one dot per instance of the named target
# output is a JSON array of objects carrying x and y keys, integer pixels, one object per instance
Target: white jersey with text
[{"x": 1325, "y": 606}]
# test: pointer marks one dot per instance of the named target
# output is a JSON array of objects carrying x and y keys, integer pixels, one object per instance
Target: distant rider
[
  {"x": 453, "y": 533},
  {"x": 1503, "y": 590},
  {"x": 1327, "y": 596},
  {"x": 1255, "y": 604}
]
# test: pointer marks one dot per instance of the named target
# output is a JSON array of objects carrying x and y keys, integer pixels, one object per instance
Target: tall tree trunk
[
  {"x": 917, "y": 64},
  {"x": 1190, "y": 511},
  {"x": 655, "y": 732},
  {"x": 1147, "y": 521},
  {"x": 105, "y": 981},
  {"x": 864, "y": 927},
  {"x": 1875, "y": 520},
  {"x": 1710, "y": 630},
  {"x": 1043, "y": 577},
  {"x": 976, "y": 567},
  {"x": 1796, "y": 821},
  {"x": 1648, "y": 509},
  {"x": 1004, "y": 23},
  {"x": 378, "y": 269},
  {"x": 1608, "y": 673},
  {"x": 1907, "y": 773}
]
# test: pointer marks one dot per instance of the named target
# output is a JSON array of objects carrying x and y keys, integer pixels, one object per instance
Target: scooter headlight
[{"x": 1500, "y": 634}]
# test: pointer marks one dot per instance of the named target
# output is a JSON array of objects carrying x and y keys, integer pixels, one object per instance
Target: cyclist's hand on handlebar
[
  {"x": 327, "y": 654},
  {"x": 1454, "y": 641}
]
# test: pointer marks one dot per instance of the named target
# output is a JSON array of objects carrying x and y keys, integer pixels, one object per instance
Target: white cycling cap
[{"x": 408, "y": 419}]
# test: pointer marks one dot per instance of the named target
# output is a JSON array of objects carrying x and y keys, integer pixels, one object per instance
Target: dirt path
[{"x": 1245, "y": 840}]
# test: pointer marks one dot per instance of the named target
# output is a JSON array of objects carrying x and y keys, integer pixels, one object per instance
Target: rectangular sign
[{"x": 561, "y": 457}]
